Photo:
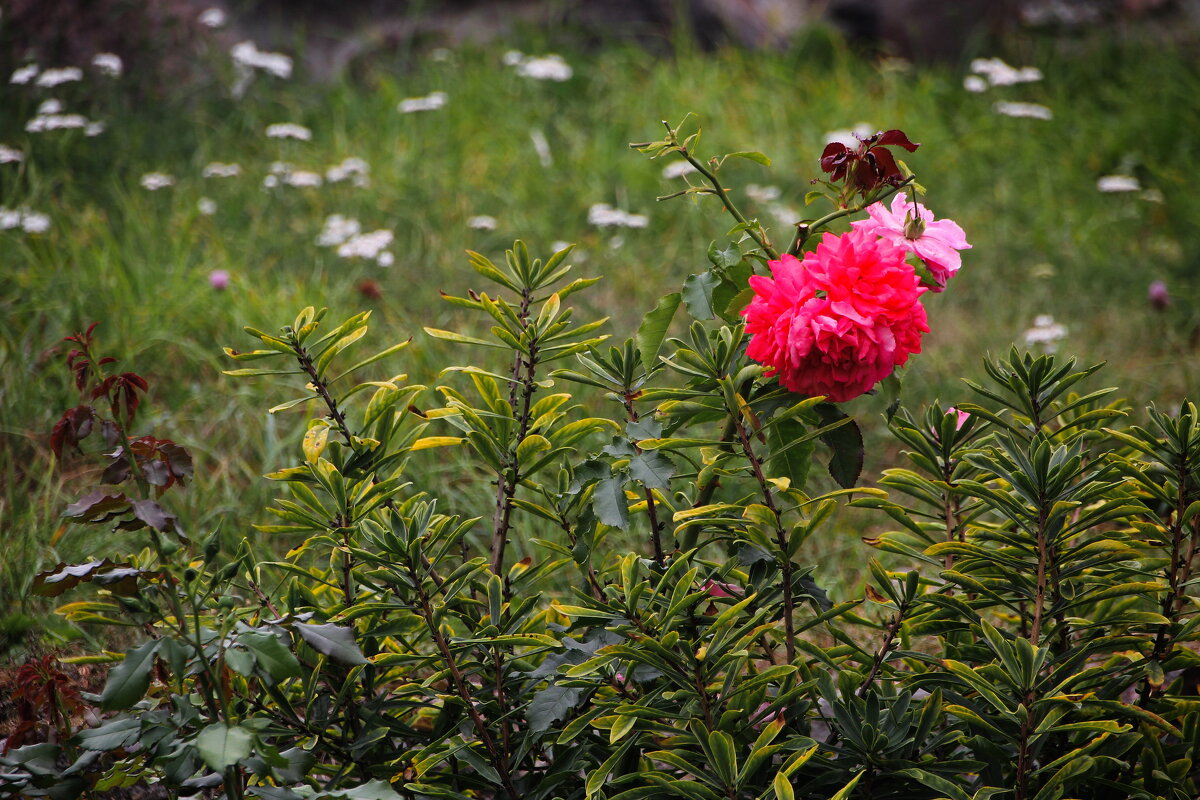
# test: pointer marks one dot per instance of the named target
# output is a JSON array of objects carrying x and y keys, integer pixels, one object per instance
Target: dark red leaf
[
  {"x": 898, "y": 138},
  {"x": 886, "y": 168},
  {"x": 74, "y": 426},
  {"x": 98, "y": 506},
  {"x": 154, "y": 515}
]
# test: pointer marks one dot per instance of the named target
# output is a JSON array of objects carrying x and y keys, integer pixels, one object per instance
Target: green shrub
[{"x": 1039, "y": 644}]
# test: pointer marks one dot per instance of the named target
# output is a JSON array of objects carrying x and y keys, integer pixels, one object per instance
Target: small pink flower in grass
[
  {"x": 1158, "y": 295},
  {"x": 841, "y": 320},
  {"x": 936, "y": 242},
  {"x": 219, "y": 279}
]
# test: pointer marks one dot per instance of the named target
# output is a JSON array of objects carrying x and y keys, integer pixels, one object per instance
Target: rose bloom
[
  {"x": 936, "y": 242},
  {"x": 841, "y": 320}
]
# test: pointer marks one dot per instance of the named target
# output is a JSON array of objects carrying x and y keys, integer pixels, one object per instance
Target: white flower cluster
[
  {"x": 23, "y": 75},
  {"x": 1045, "y": 333},
  {"x": 49, "y": 117},
  {"x": 997, "y": 73},
  {"x": 550, "y": 67},
  {"x": 337, "y": 230},
  {"x": 850, "y": 137},
  {"x": 283, "y": 173},
  {"x": 431, "y": 102},
  {"x": 58, "y": 76},
  {"x": 762, "y": 194},
  {"x": 23, "y": 218},
  {"x": 677, "y": 169},
  {"x": 345, "y": 233},
  {"x": 248, "y": 57},
  {"x": 109, "y": 64},
  {"x": 206, "y": 206},
  {"x": 10, "y": 155},
  {"x": 218, "y": 169},
  {"x": 602, "y": 215},
  {"x": 212, "y": 18},
  {"x": 153, "y": 181},
  {"x": 1118, "y": 183},
  {"x": 769, "y": 197},
  {"x": 482, "y": 223},
  {"x": 353, "y": 169},
  {"x": 1026, "y": 110},
  {"x": 289, "y": 130}
]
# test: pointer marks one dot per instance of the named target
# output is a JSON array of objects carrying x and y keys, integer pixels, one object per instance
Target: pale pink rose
[
  {"x": 840, "y": 321},
  {"x": 219, "y": 279},
  {"x": 936, "y": 242}
]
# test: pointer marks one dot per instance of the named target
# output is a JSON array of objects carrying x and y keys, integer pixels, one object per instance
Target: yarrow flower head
[
  {"x": 841, "y": 320},
  {"x": 912, "y": 226}
]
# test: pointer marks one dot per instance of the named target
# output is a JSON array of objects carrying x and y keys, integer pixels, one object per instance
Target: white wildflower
[
  {"x": 337, "y": 230},
  {"x": 616, "y": 243},
  {"x": 762, "y": 194},
  {"x": 206, "y": 206},
  {"x": 153, "y": 181},
  {"x": 54, "y": 122},
  {"x": 288, "y": 130},
  {"x": 1153, "y": 196},
  {"x": 23, "y": 218},
  {"x": 1026, "y": 110},
  {"x": 559, "y": 246},
  {"x": 10, "y": 155},
  {"x": 431, "y": 102},
  {"x": 974, "y": 83},
  {"x": 34, "y": 222},
  {"x": 212, "y": 18},
  {"x": 54, "y": 77},
  {"x": 851, "y": 137},
  {"x": 482, "y": 223},
  {"x": 441, "y": 54},
  {"x": 247, "y": 57},
  {"x": 785, "y": 215},
  {"x": 677, "y": 169},
  {"x": 545, "y": 68},
  {"x": 218, "y": 169},
  {"x": 25, "y": 74},
  {"x": 999, "y": 73},
  {"x": 351, "y": 167},
  {"x": 280, "y": 168},
  {"x": 50, "y": 105},
  {"x": 602, "y": 215},
  {"x": 542, "y": 147},
  {"x": 1118, "y": 183},
  {"x": 93, "y": 129},
  {"x": 1045, "y": 333},
  {"x": 511, "y": 59},
  {"x": 270, "y": 182},
  {"x": 385, "y": 259},
  {"x": 109, "y": 64},
  {"x": 366, "y": 245},
  {"x": 303, "y": 179}
]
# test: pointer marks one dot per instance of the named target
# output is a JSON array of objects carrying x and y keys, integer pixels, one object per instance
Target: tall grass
[{"x": 1045, "y": 240}]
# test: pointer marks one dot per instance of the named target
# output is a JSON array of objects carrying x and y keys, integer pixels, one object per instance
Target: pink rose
[
  {"x": 840, "y": 321},
  {"x": 936, "y": 242}
]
